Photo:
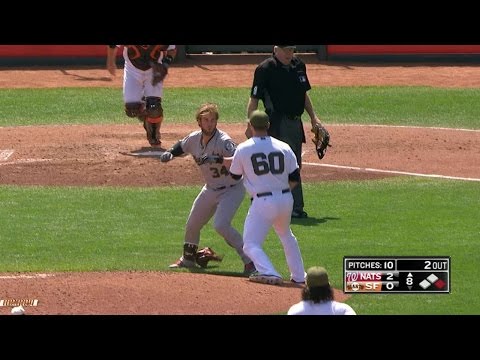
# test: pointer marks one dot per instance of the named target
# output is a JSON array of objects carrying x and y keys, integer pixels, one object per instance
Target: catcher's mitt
[
  {"x": 321, "y": 140},
  {"x": 159, "y": 72},
  {"x": 205, "y": 255}
]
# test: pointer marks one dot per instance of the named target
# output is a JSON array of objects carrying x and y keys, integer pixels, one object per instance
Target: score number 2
[{"x": 435, "y": 265}]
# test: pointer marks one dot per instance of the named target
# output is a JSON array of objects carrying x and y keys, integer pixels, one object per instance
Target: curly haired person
[
  {"x": 145, "y": 69},
  {"x": 317, "y": 296}
]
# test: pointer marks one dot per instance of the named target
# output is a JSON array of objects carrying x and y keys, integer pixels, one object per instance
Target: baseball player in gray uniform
[
  {"x": 270, "y": 170},
  {"x": 220, "y": 196}
]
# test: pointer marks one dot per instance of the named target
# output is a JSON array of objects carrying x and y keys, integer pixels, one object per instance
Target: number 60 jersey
[{"x": 265, "y": 163}]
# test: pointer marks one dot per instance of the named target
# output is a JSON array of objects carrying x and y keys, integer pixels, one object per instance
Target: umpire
[{"x": 281, "y": 83}]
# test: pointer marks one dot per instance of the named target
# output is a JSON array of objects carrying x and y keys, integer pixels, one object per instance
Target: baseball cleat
[
  {"x": 266, "y": 279},
  {"x": 182, "y": 263},
  {"x": 299, "y": 214},
  {"x": 297, "y": 282},
  {"x": 249, "y": 268}
]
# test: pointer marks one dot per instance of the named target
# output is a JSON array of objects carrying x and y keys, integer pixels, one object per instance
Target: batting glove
[{"x": 166, "y": 156}]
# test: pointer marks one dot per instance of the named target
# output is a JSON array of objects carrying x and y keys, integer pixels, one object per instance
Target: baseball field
[{"x": 90, "y": 220}]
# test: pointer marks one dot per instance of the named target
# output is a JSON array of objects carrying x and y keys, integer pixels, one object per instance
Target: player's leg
[
  {"x": 133, "y": 94},
  {"x": 257, "y": 224},
  {"x": 133, "y": 91},
  {"x": 153, "y": 119},
  {"x": 281, "y": 225},
  {"x": 291, "y": 132},
  {"x": 153, "y": 109},
  {"x": 202, "y": 210},
  {"x": 229, "y": 201}
]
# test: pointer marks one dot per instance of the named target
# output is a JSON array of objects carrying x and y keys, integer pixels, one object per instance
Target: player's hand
[
  {"x": 112, "y": 69},
  {"x": 166, "y": 156}
]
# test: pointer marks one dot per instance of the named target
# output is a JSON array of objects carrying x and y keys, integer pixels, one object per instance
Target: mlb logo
[{"x": 302, "y": 78}]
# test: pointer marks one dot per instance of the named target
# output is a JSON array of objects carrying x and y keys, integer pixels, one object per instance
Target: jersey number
[
  {"x": 216, "y": 174},
  {"x": 274, "y": 163}
]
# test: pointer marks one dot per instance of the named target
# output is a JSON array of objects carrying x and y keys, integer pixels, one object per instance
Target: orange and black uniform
[{"x": 142, "y": 55}]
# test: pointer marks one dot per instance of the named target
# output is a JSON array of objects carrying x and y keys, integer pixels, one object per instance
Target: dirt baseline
[{"x": 112, "y": 158}]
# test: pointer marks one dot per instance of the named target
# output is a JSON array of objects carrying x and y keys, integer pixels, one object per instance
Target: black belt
[
  {"x": 293, "y": 117},
  {"x": 269, "y": 193}
]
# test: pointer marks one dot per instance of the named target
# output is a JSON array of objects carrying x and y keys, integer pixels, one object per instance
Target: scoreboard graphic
[{"x": 400, "y": 274}]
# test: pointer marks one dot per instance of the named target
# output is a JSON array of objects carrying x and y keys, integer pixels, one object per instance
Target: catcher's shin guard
[{"x": 153, "y": 131}]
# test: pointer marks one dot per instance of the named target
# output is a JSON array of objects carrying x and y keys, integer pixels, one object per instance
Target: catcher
[{"x": 146, "y": 66}]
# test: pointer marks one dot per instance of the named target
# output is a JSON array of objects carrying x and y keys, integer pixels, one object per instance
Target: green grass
[
  {"x": 422, "y": 106},
  {"x": 83, "y": 229}
]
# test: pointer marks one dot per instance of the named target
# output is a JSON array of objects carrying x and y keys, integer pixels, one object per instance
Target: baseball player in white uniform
[
  {"x": 220, "y": 196},
  {"x": 141, "y": 95},
  {"x": 317, "y": 297},
  {"x": 270, "y": 170}
]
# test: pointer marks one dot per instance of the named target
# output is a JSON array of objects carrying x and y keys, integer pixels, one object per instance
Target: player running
[
  {"x": 142, "y": 85},
  {"x": 221, "y": 195}
]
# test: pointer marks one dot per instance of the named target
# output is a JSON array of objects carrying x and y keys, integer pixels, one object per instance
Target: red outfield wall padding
[
  {"x": 54, "y": 51},
  {"x": 401, "y": 49}
]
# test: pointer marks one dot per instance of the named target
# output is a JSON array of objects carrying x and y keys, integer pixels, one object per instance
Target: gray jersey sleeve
[{"x": 215, "y": 175}]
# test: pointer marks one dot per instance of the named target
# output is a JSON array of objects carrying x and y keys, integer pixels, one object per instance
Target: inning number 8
[{"x": 275, "y": 163}]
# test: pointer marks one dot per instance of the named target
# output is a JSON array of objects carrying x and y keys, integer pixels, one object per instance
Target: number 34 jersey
[
  {"x": 216, "y": 175},
  {"x": 265, "y": 163}
]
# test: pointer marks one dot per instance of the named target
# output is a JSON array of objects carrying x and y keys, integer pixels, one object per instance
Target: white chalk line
[
  {"x": 392, "y": 172},
  {"x": 407, "y": 127},
  {"x": 24, "y": 276},
  {"x": 24, "y": 161}
]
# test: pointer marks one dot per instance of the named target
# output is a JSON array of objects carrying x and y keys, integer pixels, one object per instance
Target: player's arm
[
  {"x": 294, "y": 178},
  {"x": 175, "y": 150},
  {"x": 309, "y": 109},
  {"x": 236, "y": 167},
  {"x": 111, "y": 57},
  {"x": 170, "y": 55},
  {"x": 251, "y": 107},
  {"x": 236, "y": 177},
  {"x": 227, "y": 161}
]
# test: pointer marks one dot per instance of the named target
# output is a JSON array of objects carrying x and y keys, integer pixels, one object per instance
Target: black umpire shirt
[{"x": 281, "y": 87}]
